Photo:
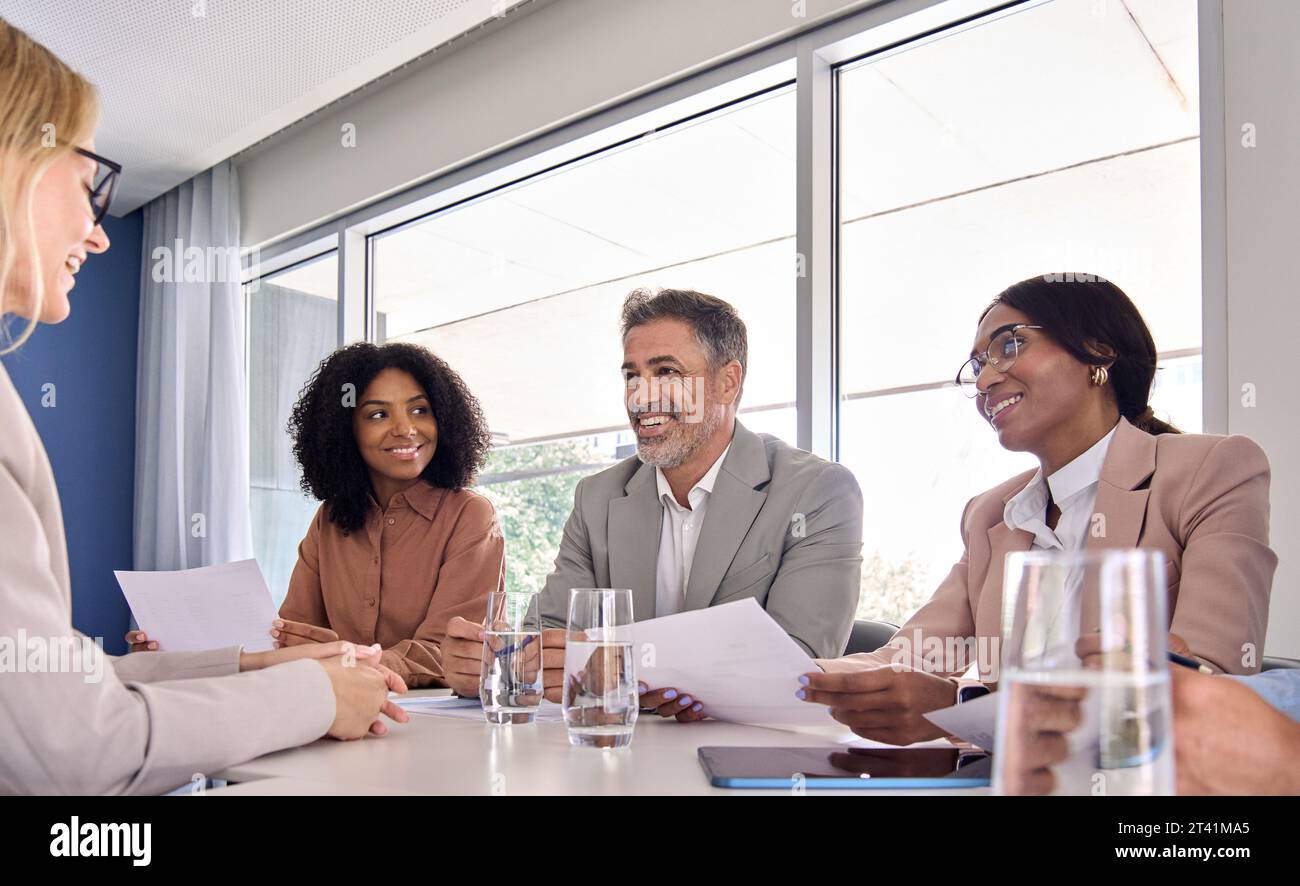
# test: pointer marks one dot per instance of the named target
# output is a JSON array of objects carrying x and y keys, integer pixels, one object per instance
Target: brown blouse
[{"x": 431, "y": 555}]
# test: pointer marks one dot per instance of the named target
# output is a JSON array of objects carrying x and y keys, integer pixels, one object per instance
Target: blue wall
[{"x": 90, "y": 431}]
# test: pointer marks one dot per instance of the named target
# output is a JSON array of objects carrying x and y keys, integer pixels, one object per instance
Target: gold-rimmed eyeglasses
[{"x": 1001, "y": 354}]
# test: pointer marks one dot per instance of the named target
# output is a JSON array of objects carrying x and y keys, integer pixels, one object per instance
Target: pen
[
  {"x": 515, "y": 647},
  {"x": 1188, "y": 663}
]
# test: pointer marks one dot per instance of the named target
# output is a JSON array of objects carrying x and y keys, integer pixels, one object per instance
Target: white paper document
[
  {"x": 206, "y": 608},
  {"x": 457, "y": 708},
  {"x": 738, "y": 661},
  {"x": 974, "y": 721},
  {"x": 433, "y": 703}
]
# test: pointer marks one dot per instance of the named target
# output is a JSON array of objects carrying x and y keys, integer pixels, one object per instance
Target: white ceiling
[{"x": 185, "y": 84}]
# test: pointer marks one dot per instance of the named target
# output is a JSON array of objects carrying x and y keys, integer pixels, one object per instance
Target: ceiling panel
[{"x": 185, "y": 84}]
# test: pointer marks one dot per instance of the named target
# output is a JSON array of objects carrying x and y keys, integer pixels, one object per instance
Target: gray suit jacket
[
  {"x": 139, "y": 724},
  {"x": 783, "y": 526}
]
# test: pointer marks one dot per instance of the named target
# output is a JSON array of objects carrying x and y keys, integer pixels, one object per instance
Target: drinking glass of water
[
  {"x": 1083, "y": 700},
  {"x": 510, "y": 683},
  {"x": 600, "y": 696}
]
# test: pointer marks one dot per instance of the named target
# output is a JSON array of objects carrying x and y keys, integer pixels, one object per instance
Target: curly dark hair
[{"x": 324, "y": 443}]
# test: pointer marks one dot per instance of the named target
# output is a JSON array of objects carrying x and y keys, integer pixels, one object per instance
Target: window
[
  {"x": 1061, "y": 137},
  {"x": 1054, "y": 135},
  {"x": 292, "y": 327},
  {"x": 519, "y": 290}
]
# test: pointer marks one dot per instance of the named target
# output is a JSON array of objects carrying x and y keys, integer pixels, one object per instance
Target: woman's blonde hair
[{"x": 48, "y": 108}]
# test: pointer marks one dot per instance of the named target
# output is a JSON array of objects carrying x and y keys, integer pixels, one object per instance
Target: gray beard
[{"x": 677, "y": 451}]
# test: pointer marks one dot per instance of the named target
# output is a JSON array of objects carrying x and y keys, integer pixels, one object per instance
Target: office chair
[
  {"x": 1277, "y": 663},
  {"x": 868, "y": 636}
]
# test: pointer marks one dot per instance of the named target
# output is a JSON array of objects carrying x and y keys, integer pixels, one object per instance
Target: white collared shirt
[
  {"x": 677, "y": 539},
  {"x": 1073, "y": 489}
]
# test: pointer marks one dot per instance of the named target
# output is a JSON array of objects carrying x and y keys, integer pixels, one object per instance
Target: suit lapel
[
  {"x": 732, "y": 509},
  {"x": 736, "y": 499},
  {"x": 1117, "y": 518},
  {"x": 635, "y": 523},
  {"x": 1120, "y": 510},
  {"x": 1003, "y": 540}
]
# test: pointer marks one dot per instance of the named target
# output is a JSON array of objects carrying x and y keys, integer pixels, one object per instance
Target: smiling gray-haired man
[{"x": 706, "y": 512}]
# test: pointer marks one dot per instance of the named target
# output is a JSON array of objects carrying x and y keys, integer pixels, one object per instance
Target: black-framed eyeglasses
[
  {"x": 103, "y": 185},
  {"x": 1001, "y": 354}
]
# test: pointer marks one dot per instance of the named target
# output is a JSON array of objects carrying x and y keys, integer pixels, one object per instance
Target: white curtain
[
  {"x": 191, "y": 451},
  {"x": 289, "y": 334}
]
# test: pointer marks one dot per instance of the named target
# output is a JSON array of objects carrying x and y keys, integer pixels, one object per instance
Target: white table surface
[
  {"x": 441, "y": 755},
  {"x": 295, "y": 787}
]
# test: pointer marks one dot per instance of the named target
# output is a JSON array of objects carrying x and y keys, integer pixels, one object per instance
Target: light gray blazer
[
  {"x": 783, "y": 526},
  {"x": 153, "y": 719}
]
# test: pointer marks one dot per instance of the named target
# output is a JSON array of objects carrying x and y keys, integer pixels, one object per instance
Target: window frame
[{"x": 812, "y": 59}]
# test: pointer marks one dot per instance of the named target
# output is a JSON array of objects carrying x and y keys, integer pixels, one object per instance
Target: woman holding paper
[
  {"x": 389, "y": 438},
  {"x": 141, "y": 724},
  {"x": 1062, "y": 367},
  {"x": 400, "y": 545}
]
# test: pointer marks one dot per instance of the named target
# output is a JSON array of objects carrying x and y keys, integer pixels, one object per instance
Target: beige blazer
[
  {"x": 147, "y": 722},
  {"x": 1201, "y": 500}
]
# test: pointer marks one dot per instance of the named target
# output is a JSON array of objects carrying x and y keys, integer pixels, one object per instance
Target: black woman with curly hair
[{"x": 389, "y": 438}]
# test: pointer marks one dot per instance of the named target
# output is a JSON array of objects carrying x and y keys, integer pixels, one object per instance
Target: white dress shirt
[
  {"x": 678, "y": 537},
  {"x": 1073, "y": 490}
]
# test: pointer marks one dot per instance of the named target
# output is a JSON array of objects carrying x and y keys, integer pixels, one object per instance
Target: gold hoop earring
[{"x": 1099, "y": 375}]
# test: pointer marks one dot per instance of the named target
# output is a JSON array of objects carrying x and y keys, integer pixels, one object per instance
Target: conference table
[{"x": 442, "y": 755}]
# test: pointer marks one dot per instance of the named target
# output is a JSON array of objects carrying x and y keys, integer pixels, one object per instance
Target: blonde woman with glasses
[{"x": 75, "y": 720}]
